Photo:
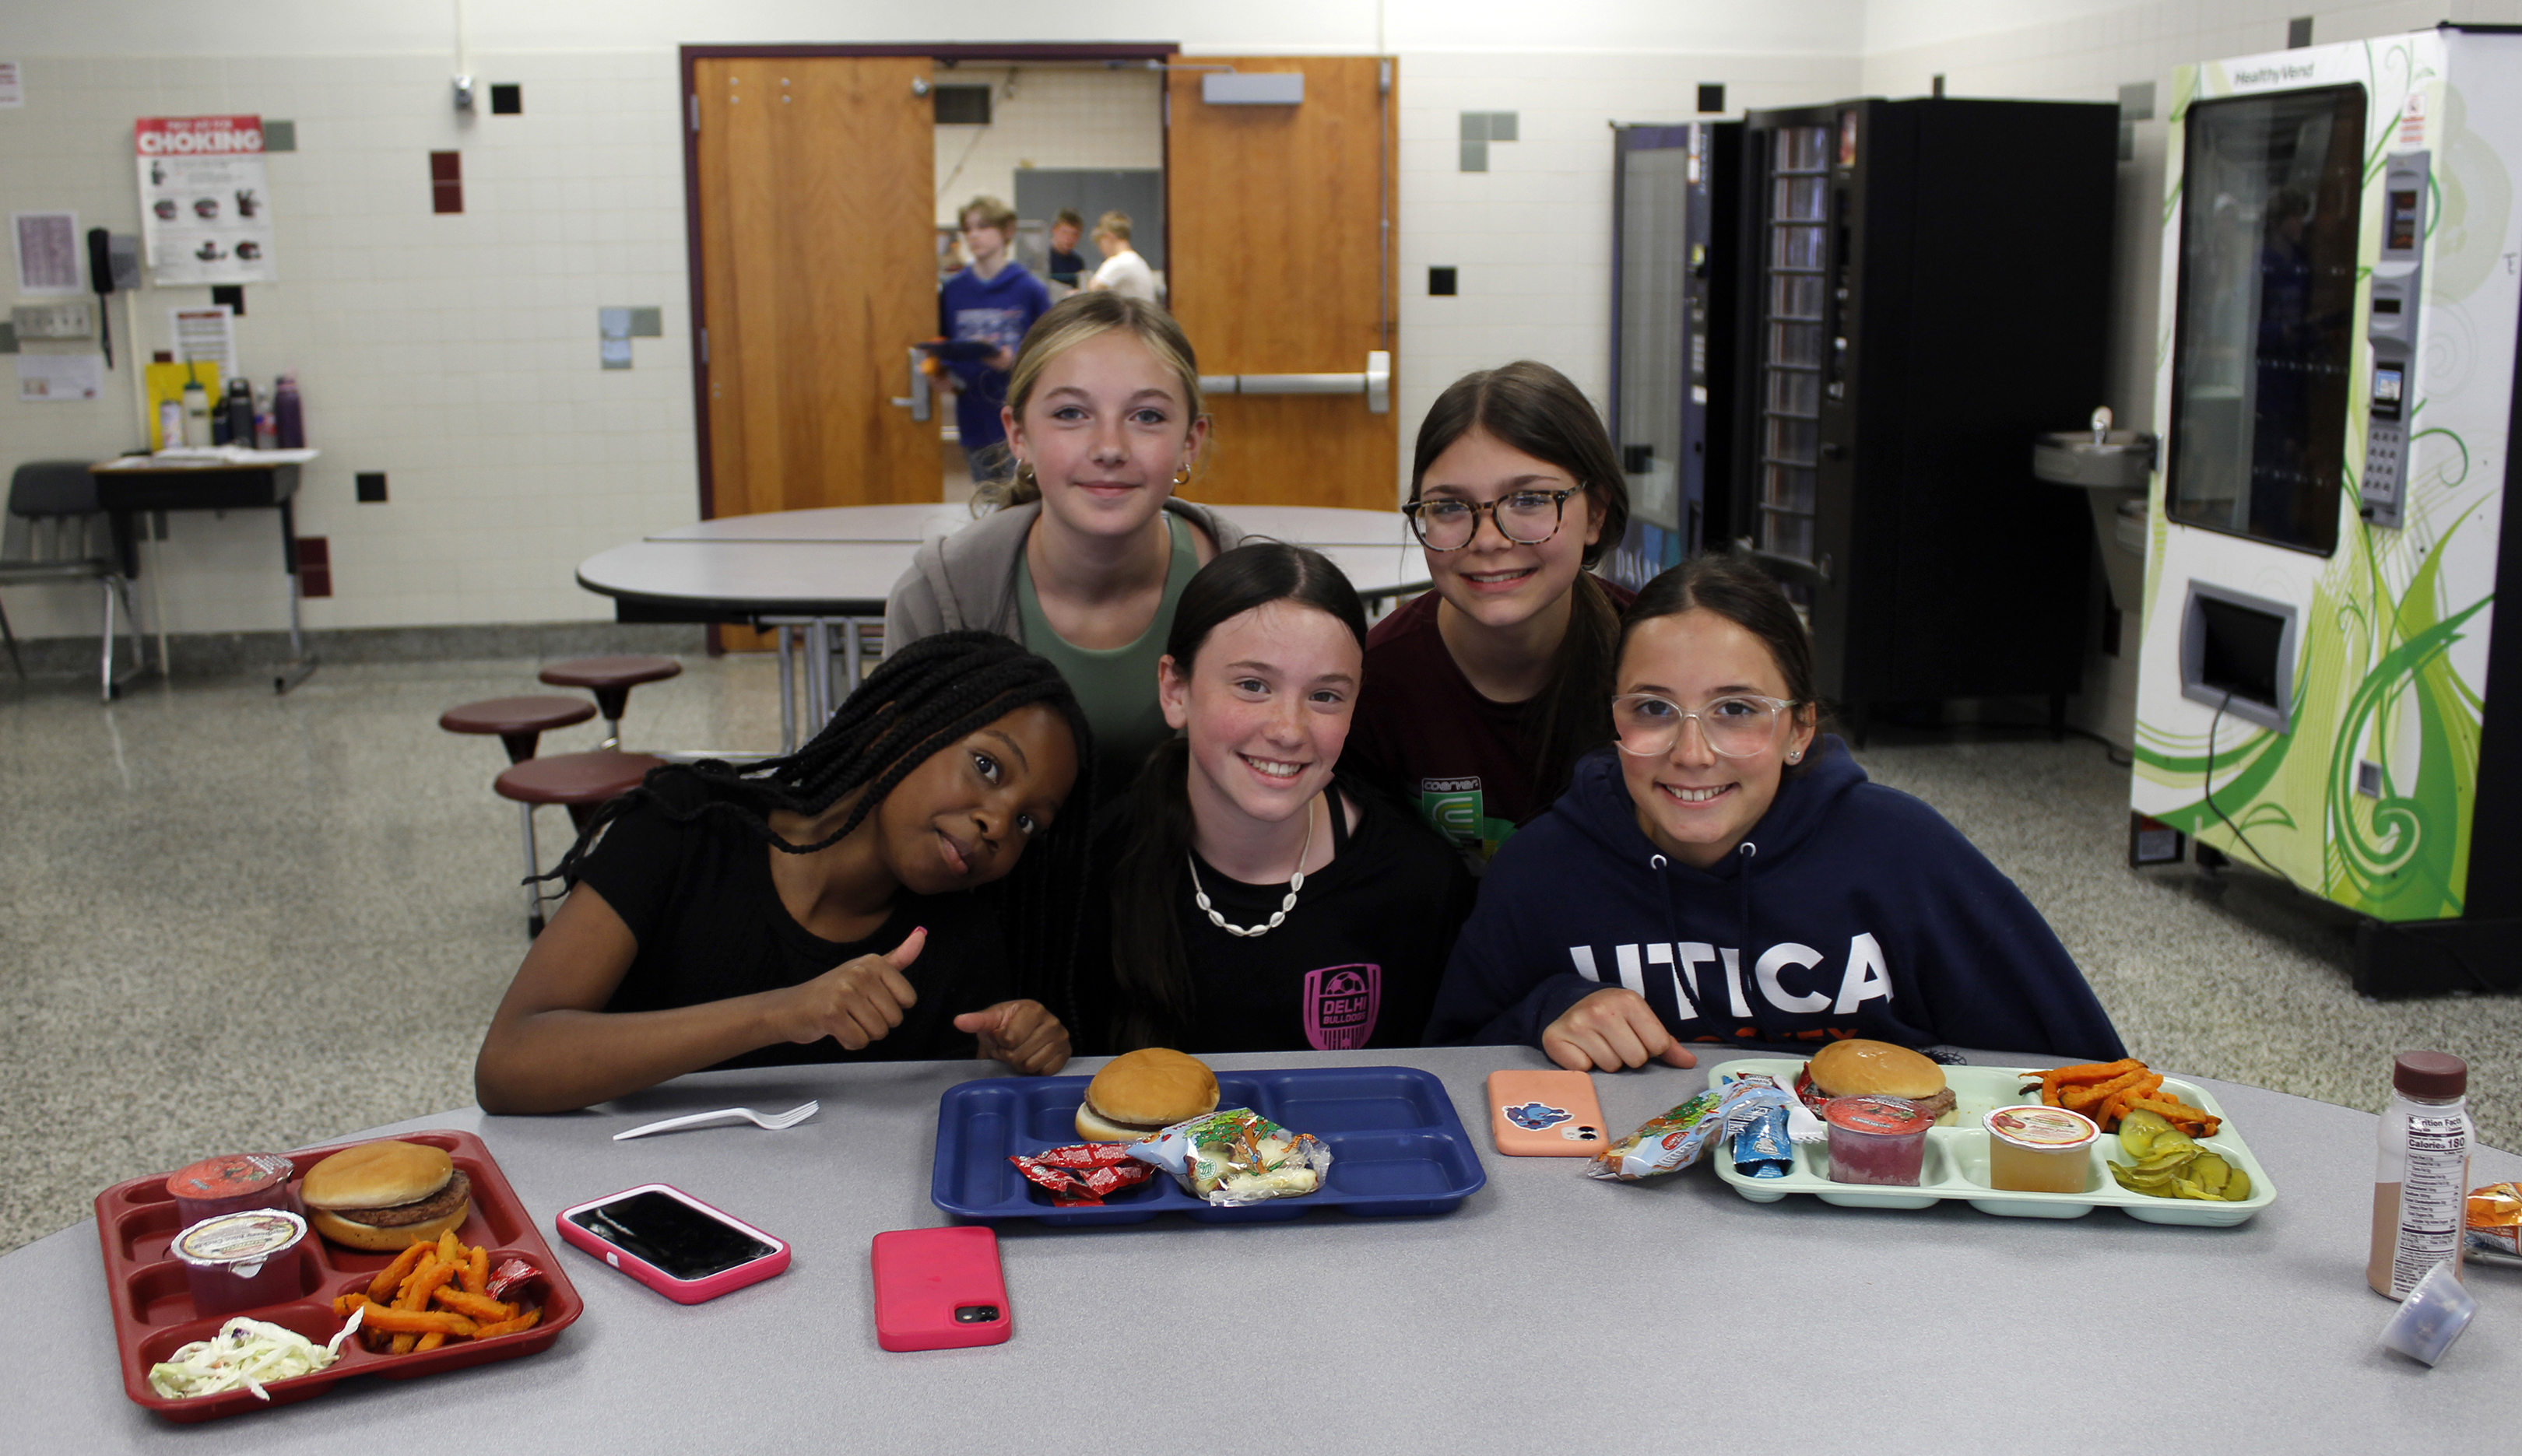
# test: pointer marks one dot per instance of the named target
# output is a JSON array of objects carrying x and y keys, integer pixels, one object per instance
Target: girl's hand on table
[
  {"x": 858, "y": 1002},
  {"x": 1608, "y": 1031},
  {"x": 1023, "y": 1034}
]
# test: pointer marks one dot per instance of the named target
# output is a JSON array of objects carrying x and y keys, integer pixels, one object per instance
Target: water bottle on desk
[
  {"x": 238, "y": 410},
  {"x": 288, "y": 417},
  {"x": 197, "y": 414}
]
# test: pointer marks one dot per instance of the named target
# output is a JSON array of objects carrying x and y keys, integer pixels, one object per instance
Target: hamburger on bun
[
  {"x": 1875, "y": 1068},
  {"x": 1142, "y": 1092},
  {"x": 384, "y": 1196}
]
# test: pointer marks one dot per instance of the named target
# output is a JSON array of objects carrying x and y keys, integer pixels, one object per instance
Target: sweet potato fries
[
  {"x": 2107, "y": 1091},
  {"x": 430, "y": 1294}
]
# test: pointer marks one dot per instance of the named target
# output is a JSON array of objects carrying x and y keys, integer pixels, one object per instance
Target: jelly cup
[
  {"x": 242, "y": 1260},
  {"x": 2040, "y": 1149},
  {"x": 232, "y": 1184},
  {"x": 1877, "y": 1140}
]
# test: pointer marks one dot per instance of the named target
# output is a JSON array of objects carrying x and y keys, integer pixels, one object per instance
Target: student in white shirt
[{"x": 1123, "y": 271}]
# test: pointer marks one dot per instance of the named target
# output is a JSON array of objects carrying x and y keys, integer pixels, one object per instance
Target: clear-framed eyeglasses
[
  {"x": 1527, "y": 518},
  {"x": 1742, "y": 725}
]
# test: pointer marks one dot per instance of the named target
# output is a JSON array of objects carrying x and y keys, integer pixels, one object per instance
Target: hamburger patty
[
  {"x": 1818, "y": 1100},
  {"x": 438, "y": 1204}
]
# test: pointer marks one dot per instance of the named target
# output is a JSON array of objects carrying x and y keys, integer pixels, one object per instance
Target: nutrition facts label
[{"x": 2431, "y": 1196}]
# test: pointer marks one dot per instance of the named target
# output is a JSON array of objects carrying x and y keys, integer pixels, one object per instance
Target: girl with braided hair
[{"x": 820, "y": 907}]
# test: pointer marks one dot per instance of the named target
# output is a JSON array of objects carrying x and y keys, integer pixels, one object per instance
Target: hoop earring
[
  {"x": 1024, "y": 473},
  {"x": 1181, "y": 477}
]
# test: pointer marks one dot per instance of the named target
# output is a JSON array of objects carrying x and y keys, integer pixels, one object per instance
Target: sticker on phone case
[
  {"x": 1537, "y": 1116},
  {"x": 1340, "y": 1002}
]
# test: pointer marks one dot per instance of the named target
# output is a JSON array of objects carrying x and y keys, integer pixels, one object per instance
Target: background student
[
  {"x": 1255, "y": 902},
  {"x": 818, "y": 908},
  {"x": 1123, "y": 271},
  {"x": 1481, "y": 694},
  {"x": 995, "y": 301},
  {"x": 1088, "y": 548},
  {"x": 1065, "y": 264},
  {"x": 1725, "y": 876}
]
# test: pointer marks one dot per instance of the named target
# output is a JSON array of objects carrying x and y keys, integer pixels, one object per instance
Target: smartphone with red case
[
  {"x": 672, "y": 1242},
  {"x": 1545, "y": 1114},
  {"x": 940, "y": 1289}
]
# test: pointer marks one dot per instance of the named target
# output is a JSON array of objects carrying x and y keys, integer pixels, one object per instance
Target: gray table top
[
  {"x": 843, "y": 560},
  {"x": 1550, "y": 1309}
]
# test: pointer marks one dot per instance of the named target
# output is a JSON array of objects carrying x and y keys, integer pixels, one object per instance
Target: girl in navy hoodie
[{"x": 1727, "y": 874}]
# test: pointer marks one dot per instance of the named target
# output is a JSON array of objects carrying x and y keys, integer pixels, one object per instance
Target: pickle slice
[
  {"x": 2237, "y": 1187},
  {"x": 2138, "y": 1131},
  {"x": 2209, "y": 1172}
]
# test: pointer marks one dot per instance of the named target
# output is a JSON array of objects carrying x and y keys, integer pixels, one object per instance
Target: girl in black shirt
[
  {"x": 1255, "y": 902},
  {"x": 817, "y": 907}
]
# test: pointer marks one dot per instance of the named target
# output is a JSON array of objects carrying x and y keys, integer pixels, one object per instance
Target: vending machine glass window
[
  {"x": 2269, "y": 197},
  {"x": 1792, "y": 319}
]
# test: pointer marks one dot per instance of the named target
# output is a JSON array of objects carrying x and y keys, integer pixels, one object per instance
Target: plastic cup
[
  {"x": 242, "y": 1260},
  {"x": 2430, "y": 1317},
  {"x": 2040, "y": 1149},
  {"x": 232, "y": 1184},
  {"x": 1877, "y": 1140}
]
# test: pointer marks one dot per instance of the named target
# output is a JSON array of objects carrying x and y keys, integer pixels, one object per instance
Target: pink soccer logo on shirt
[{"x": 1340, "y": 1003}]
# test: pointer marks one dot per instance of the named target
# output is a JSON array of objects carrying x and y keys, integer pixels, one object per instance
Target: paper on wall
[
  {"x": 59, "y": 379},
  {"x": 48, "y": 251},
  {"x": 13, "y": 85},
  {"x": 205, "y": 335},
  {"x": 205, "y": 199}
]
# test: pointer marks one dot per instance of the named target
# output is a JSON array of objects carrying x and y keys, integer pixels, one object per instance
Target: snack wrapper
[
  {"x": 1762, "y": 1150},
  {"x": 511, "y": 1279},
  {"x": 1672, "y": 1141},
  {"x": 1083, "y": 1176},
  {"x": 1236, "y": 1155},
  {"x": 2495, "y": 1219}
]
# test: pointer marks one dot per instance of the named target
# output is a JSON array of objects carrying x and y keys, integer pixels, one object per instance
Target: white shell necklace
[{"x": 1294, "y": 884}]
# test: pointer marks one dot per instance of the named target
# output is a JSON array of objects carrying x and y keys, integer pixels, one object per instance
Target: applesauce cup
[
  {"x": 2040, "y": 1149},
  {"x": 1877, "y": 1140}
]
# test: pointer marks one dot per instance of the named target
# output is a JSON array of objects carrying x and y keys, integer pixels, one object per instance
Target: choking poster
[{"x": 204, "y": 202}]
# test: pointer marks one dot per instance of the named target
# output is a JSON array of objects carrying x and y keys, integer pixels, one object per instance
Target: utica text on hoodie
[{"x": 1850, "y": 909}]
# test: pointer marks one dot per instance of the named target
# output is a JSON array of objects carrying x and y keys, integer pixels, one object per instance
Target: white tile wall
[{"x": 1061, "y": 116}]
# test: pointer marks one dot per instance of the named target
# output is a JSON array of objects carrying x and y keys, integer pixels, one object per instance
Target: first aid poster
[{"x": 204, "y": 202}]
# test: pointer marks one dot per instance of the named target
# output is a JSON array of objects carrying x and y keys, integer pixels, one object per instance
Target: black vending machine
[
  {"x": 1674, "y": 195},
  {"x": 1925, "y": 287}
]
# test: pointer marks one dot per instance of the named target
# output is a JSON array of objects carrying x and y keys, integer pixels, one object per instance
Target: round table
[
  {"x": 1549, "y": 1311},
  {"x": 832, "y": 568}
]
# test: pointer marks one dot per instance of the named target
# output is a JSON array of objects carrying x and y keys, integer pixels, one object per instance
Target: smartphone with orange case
[{"x": 1545, "y": 1114}]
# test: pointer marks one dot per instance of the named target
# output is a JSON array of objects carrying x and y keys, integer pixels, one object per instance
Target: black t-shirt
[
  {"x": 1355, "y": 964},
  {"x": 699, "y": 898}
]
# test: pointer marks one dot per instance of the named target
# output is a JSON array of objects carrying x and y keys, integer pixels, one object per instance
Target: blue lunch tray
[{"x": 1397, "y": 1147}]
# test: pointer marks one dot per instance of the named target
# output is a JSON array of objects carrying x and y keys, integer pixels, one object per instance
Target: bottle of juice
[{"x": 2421, "y": 1183}]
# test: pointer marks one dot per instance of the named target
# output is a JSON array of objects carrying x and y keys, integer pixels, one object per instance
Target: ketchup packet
[
  {"x": 1083, "y": 1174},
  {"x": 2495, "y": 1218},
  {"x": 511, "y": 1277}
]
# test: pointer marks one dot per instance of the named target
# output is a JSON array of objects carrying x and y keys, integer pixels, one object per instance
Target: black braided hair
[{"x": 917, "y": 701}]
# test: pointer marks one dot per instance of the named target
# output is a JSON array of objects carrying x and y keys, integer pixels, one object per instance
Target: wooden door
[
  {"x": 818, "y": 273},
  {"x": 1281, "y": 264}
]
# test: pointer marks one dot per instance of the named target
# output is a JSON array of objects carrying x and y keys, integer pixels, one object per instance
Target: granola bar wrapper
[
  {"x": 1082, "y": 1175},
  {"x": 2495, "y": 1219},
  {"x": 1236, "y": 1155}
]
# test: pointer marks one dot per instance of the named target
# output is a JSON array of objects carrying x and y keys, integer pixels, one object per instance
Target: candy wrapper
[
  {"x": 1082, "y": 1175},
  {"x": 1673, "y": 1141},
  {"x": 513, "y": 1280},
  {"x": 2495, "y": 1219},
  {"x": 1235, "y": 1155}
]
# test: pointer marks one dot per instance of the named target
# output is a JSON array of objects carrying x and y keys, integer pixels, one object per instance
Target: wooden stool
[
  {"x": 581, "y": 782},
  {"x": 520, "y": 722},
  {"x": 610, "y": 679}
]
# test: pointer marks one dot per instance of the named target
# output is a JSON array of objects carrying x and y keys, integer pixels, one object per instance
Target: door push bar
[{"x": 1375, "y": 384}]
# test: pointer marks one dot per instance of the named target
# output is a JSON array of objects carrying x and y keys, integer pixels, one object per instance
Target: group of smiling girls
[{"x": 1128, "y": 778}]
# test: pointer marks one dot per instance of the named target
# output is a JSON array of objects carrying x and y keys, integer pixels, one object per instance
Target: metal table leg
[
  {"x": 300, "y": 665},
  {"x": 534, "y": 867},
  {"x": 853, "y": 658},
  {"x": 787, "y": 687},
  {"x": 818, "y": 673}
]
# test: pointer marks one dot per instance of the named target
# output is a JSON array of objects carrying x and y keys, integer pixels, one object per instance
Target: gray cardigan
[{"x": 967, "y": 581}]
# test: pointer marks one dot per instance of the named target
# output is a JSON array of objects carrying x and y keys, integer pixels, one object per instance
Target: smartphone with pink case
[
  {"x": 940, "y": 1289},
  {"x": 672, "y": 1242},
  {"x": 1545, "y": 1114}
]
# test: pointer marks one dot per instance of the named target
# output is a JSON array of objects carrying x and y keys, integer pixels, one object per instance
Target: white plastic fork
[{"x": 774, "y": 1121}]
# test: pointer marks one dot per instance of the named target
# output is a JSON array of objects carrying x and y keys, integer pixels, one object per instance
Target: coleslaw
[{"x": 246, "y": 1352}]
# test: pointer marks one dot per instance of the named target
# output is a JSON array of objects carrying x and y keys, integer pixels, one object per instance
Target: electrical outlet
[
  {"x": 2368, "y": 778},
  {"x": 72, "y": 318}
]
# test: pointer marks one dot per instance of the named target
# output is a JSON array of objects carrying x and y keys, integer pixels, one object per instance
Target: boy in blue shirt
[{"x": 993, "y": 300}]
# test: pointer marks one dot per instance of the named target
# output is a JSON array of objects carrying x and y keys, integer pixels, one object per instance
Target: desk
[
  {"x": 155, "y": 482},
  {"x": 1550, "y": 1310},
  {"x": 834, "y": 566}
]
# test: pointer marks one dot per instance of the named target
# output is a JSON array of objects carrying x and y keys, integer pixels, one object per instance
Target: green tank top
[{"x": 1115, "y": 686}]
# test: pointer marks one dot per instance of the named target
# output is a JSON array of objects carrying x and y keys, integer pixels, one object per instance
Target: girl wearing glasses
[
  {"x": 1725, "y": 873},
  {"x": 1484, "y": 693},
  {"x": 1254, "y": 901}
]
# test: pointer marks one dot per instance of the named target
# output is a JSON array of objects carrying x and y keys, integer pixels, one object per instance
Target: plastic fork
[{"x": 772, "y": 1121}]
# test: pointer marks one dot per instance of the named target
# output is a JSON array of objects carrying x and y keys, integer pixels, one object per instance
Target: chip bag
[
  {"x": 1235, "y": 1155},
  {"x": 2495, "y": 1219},
  {"x": 1673, "y": 1140}
]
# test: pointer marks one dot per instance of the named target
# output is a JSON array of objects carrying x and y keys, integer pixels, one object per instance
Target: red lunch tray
[{"x": 153, "y": 1310}]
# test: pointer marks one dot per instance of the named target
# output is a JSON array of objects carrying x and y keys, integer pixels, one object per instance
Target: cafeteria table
[
  {"x": 223, "y": 480},
  {"x": 834, "y": 567},
  {"x": 1549, "y": 1311}
]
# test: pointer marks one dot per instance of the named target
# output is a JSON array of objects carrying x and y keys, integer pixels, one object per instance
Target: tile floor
[{"x": 230, "y": 919}]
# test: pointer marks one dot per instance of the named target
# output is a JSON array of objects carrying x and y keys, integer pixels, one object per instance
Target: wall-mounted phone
[{"x": 2392, "y": 333}]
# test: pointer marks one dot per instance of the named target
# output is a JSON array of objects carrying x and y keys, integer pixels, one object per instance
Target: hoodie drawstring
[{"x": 1747, "y": 852}]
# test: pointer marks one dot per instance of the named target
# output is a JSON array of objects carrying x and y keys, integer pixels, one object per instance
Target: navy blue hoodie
[{"x": 1850, "y": 910}]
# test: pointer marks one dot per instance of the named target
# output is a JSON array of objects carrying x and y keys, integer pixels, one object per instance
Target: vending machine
[
  {"x": 2322, "y": 693},
  {"x": 1672, "y": 328}
]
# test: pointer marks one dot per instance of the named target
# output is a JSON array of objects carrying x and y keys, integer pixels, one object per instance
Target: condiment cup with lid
[
  {"x": 242, "y": 1260},
  {"x": 1878, "y": 1140},
  {"x": 2039, "y": 1149}
]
